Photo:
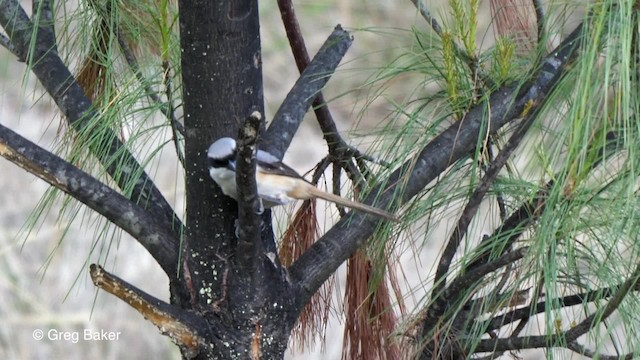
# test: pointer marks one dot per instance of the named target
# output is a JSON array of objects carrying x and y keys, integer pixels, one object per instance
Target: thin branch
[
  {"x": 337, "y": 174},
  {"x": 168, "y": 86},
  {"x": 540, "y": 341},
  {"x": 77, "y": 108},
  {"x": 530, "y": 211},
  {"x": 540, "y": 21},
  {"x": 469, "y": 278},
  {"x": 582, "y": 350},
  {"x": 249, "y": 242},
  {"x": 514, "y": 226},
  {"x": 172, "y": 321},
  {"x": 469, "y": 59},
  {"x": 292, "y": 110},
  {"x": 166, "y": 108},
  {"x": 502, "y": 207},
  {"x": 154, "y": 235},
  {"x": 520, "y": 343},
  {"x": 504, "y": 105},
  {"x": 302, "y": 59},
  {"x": 320, "y": 169},
  {"x": 7, "y": 44},
  {"x": 354, "y": 173},
  {"x": 426, "y": 14},
  {"x": 337, "y": 145},
  {"x": 603, "y": 313},
  {"x": 565, "y": 301},
  {"x": 470, "y": 210}
]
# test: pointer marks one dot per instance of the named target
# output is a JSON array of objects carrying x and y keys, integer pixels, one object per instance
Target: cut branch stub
[
  {"x": 249, "y": 242},
  {"x": 167, "y": 318}
]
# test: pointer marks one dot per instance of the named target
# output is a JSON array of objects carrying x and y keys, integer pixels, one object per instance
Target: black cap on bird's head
[{"x": 222, "y": 153}]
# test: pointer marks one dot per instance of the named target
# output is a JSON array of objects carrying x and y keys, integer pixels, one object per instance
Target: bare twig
[
  {"x": 426, "y": 14},
  {"x": 582, "y": 350},
  {"x": 527, "y": 342},
  {"x": 468, "y": 278},
  {"x": 320, "y": 169},
  {"x": 337, "y": 174},
  {"x": 541, "y": 306},
  {"x": 502, "y": 207},
  {"x": 601, "y": 314},
  {"x": 337, "y": 146},
  {"x": 569, "y": 338},
  {"x": 355, "y": 173}
]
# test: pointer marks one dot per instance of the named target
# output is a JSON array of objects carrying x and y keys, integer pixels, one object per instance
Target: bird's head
[{"x": 222, "y": 154}]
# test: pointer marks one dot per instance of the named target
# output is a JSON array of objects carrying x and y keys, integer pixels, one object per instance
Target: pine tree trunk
[{"x": 248, "y": 310}]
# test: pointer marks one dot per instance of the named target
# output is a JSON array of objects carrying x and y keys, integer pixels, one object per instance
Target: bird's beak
[{"x": 231, "y": 165}]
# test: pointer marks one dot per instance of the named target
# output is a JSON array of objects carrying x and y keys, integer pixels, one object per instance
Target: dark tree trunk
[{"x": 221, "y": 62}]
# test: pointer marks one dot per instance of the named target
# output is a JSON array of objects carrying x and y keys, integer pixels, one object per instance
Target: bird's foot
[{"x": 260, "y": 210}]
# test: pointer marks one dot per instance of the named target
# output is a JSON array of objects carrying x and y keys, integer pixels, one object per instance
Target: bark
[{"x": 245, "y": 296}]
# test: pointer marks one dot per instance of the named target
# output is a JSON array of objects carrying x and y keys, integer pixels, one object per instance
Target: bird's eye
[{"x": 218, "y": 163}]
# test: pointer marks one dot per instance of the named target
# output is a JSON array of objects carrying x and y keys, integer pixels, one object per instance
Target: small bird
[{"x": 278, "y": 184}]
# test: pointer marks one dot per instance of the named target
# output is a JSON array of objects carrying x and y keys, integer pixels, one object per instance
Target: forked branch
[
  {"x": 40, "y": 53},
  {"x": 506, "y": 104},
  {"x": 292, "y": 110},
  {"x": 150, "y": 231}
]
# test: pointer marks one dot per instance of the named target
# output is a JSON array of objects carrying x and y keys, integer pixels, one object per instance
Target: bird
[{"x": 277, "y": 183}]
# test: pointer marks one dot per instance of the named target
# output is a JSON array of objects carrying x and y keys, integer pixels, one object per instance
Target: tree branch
[
  {"x": 540, "y": 21},
  {"x": 467, "y": 58},
  {"x": 287, "y": 119},
  {"x": 470, "y": 210},
  {"x": 582, "y": 350},
  {"x": 565, "y": 301},
  {"x": 326, "y": 255},
  {"x": 249, "y": 243},
  {"x": 602, "y": 314},
  {"x": 182, "y": 327},
  {"x": 150, "y": 231},
  {"x": 176, "y": 127},
  {"x": 467, "y": 279},
  {"x": 53, "y": 74},
  {"x": 537, "y": 342},
  {"x": 165, "y": 108},
  {"x": 42, "y": 16},
  {"x": 7, "y": 44},
  {"x": 337, "y": 146}
]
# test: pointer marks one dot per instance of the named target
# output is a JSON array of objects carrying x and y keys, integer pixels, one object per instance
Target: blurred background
[{"x": 44, "y": 283}]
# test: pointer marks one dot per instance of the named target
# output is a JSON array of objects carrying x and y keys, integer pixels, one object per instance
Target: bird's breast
[{"x": 226, "y": 179}]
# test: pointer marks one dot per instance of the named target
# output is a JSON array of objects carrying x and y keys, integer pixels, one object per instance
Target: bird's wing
[
  {"x": 271, "y": 165},
  {"x": 279, "y": 168}
]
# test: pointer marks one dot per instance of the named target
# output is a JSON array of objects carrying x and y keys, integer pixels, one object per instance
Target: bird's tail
[{"x": 351, "y": 204}]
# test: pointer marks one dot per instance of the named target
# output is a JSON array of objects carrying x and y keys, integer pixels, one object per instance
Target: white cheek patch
[{"x": 226, "y": 179}]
